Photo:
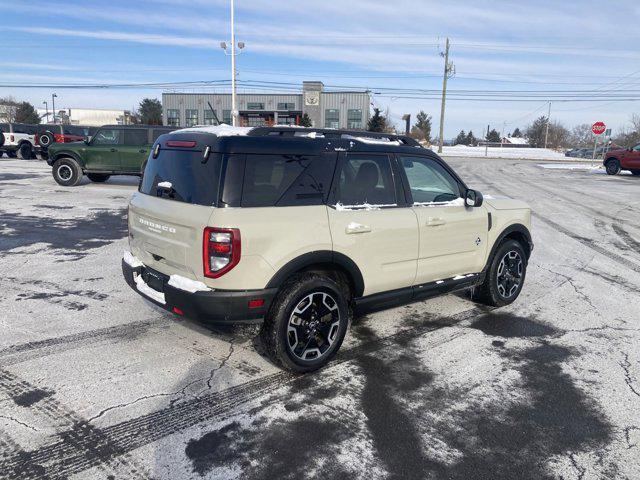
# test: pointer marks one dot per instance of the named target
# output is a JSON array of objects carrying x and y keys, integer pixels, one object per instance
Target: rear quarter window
[
  {"x": 136, "y": 136},
  {"x": 268, "y": 177}
]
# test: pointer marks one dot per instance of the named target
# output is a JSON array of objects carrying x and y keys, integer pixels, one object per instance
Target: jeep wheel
[
  {"x": 25, "y": 151},
  {"x": 306, "y": 323},
  {"x": 46, "y": 139},
  {"x": 98, "y": 177},
  {"x": 612, "y": 166},
  {"x": 505, "y": 276},
  {"x": 67, "y": 172},
  {"x": 12, "y": 153}
]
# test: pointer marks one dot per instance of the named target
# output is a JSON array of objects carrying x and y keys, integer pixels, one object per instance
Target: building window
[
  {"x": 191, "y": 118},
  {"x": 173, "y": 117},
  {"x": 255, "y": 106},
  {"x": 209, "y": 117},
  {"x": 332, "y": 118},
  {"x": 284, "y": 120},
  {"x": 354, "y": 118},
  {"x": 255, "y": 122},
  {"x": 286, "y": 106},
  {"x": 226, "y": 117}
]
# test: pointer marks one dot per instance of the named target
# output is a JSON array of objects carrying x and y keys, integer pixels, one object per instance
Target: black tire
[
  {"x": 98, "y": 177},
  {"x": 47, "y": 139},
  {"x": 12, "y": 153},
  {"x": 1, "y": 138},
  {"x": 67, "y": 172},
  {"x": 612, "y": 166},
  {"x": 635, "y": 172},
  {"x": 504, "y": 282},
  {"x": 26, "y": 151},
  {"x": 306, "y": 342}
]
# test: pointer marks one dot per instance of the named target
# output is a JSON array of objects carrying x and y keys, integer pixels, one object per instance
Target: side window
[
  {"x": 267, "y": 178},
  {"x": 429, "y": 181},
  {"x": 109, "y": 136},
  {"x": 135, "y": 136},
  {"x": 365, "y": 179}
]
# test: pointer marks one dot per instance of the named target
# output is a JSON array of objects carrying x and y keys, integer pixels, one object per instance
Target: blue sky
[{"x": 496, "y": 45}]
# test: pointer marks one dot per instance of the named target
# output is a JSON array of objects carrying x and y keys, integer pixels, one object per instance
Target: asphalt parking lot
[{"x": 96, "y": 383}]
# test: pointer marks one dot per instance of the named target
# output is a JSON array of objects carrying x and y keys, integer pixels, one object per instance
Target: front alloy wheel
[
  {"x": 313, "y": 326},
  {"x": 509, "y": 274},
  {"x": 612, "y": 167}
]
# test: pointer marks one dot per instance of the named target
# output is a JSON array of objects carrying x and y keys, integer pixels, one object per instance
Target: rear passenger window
[
  {"x": 267, "y": 178},
  {"x": 135, "y": 136},
  {"x": 365, "y": 179}
]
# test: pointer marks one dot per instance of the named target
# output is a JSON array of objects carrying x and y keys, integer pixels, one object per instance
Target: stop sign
[{"x": 598, "y": 128}]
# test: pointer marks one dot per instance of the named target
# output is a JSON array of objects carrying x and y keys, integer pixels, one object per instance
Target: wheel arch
[
  {"x": 321, "y": 260},
  {"x": 67, "y": 154},
  {"x": 517, "y": 232},
  {"x": 609, "y": 159}
]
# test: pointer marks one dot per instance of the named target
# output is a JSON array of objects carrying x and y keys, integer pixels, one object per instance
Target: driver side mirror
[{"x": 472, "y": 198}]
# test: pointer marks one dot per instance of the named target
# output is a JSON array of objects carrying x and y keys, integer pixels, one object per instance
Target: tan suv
[{"x": 297, "y": 228}]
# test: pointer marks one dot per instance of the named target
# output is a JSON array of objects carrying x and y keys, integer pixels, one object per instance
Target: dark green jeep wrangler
[{"x": 113, "y": 150}]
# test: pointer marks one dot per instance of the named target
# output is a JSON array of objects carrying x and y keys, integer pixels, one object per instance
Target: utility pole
[
  {"x": 546, "y": 132},
  {"x": 448, "y": 72},
  {"x": 53, "y": 106}
]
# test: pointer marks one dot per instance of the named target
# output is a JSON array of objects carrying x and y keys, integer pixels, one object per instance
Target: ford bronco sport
[
  {"x": 112, "y": 150},
  {"x": 296, "y": 228},
  {"x": 623, "y": 159}
]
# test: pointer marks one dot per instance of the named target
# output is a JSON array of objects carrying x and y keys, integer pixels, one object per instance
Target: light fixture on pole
[
  {"x": 53, "y": 105},
  {"x": 232, "y": 53}
]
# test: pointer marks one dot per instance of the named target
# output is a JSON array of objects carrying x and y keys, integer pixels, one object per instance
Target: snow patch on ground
[
  {"x": 571, "y": 166},
  {"x": 505, "y": 152}
]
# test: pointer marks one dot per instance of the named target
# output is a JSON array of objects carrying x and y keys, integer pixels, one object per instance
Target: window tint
[
  {"x": 429, "y": 181},
  {"x": 267, "y": 178},
  {"x": 365, "y": 179},
  {"x": 109, "y": 136},
  {"x": 191, "y": 180},
  {"x": 135, "y": 136}
]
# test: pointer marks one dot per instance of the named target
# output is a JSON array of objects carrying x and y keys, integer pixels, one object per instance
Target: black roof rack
[{"x": 331, "y": 133}]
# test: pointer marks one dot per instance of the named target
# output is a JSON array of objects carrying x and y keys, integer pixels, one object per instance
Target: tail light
[
  {"x": 36, "y": 139},
  {"x": 220, "y": 250},
  {"x": 12, "y": 138}
]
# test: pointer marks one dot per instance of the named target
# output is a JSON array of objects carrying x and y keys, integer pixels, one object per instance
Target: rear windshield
[{"x": 191, "y": 180}]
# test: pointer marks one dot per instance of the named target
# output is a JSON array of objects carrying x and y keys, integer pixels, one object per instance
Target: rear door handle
[
  {"x": 142, "y": 150},
  {"x": 354, "y": 227},
  {"x": 435, "y": 221},
  {"x": 114, "y": 150}
]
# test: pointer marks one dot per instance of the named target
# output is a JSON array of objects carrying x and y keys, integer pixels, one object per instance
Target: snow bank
[
  {"x": 571, "y": 166},
  {"x": 222, "y": 130},
  {"x": 504, "y": 152}
]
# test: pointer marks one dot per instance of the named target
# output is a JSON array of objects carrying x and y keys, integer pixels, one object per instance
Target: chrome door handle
[
  {"x": 357, "y": 228},
  {"x": 435, "y": 221}
]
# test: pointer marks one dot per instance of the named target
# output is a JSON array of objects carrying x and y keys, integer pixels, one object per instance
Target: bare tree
[
  {"x": 581, "y": 136},
  {"x": 8, "y": 108}
]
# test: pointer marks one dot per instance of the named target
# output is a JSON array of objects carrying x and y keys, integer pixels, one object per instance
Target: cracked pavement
[{"x": 96, "y": 383}]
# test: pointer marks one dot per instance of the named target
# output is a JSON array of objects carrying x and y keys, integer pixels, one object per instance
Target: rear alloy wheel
[
  {"x": 67, "y": 172},
  {"x": 306, "y": 323},
  {"x": 505, "y": 276},
  {"x": 25, "y": 151},
  {"x": 98, "y": 177},
  {"x": 46, "y": 139},
  {"x": 612, "y": 166}
]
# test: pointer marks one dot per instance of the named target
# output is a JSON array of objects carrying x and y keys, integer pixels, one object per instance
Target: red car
[{"x": 623, "y": 159}]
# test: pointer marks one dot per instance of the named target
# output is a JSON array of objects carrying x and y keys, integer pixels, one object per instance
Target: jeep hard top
[
  {"x": 296, "y": 228},
  {"x": 112, "y": 150}
]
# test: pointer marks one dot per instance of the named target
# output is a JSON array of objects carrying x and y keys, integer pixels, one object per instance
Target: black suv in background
[{"x": 112, "y": 150}]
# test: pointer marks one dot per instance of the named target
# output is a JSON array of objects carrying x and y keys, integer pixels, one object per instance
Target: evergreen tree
[
  {"x": 305, "y": 121},
  {"x": 26, "y": 113},
  {"x": 536, "y": 132},
  {"x": 517, "y": 133},
  {"x": 377, "y": 123},
  {"x": 461, "y": 139},
  {"x": 493, "y": 136},
  {"x": 471, "y": 139},
  {"x": 150, "y": 111},
  {"x": 423, "y": 125}
]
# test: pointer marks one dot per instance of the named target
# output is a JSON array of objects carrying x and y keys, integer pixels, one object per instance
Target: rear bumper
[{"x": 214, "y": 306}]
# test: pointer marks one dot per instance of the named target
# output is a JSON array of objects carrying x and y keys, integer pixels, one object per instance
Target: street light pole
[{"x": 234, "y": 109}]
